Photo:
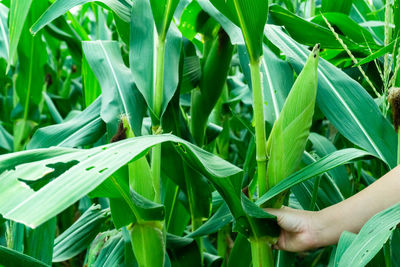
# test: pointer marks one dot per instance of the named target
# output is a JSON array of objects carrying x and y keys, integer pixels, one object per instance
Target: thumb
[{"x": 287, "y": 218}]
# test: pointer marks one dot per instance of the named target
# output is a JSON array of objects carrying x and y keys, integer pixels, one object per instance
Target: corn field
[{"x": 156, "y": 132}]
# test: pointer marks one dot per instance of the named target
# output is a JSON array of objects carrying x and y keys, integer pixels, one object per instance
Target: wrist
[{"x": 325, "y": 229}]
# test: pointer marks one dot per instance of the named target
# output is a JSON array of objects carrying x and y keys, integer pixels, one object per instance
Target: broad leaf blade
[
  {"x": 6, "y": 139},
  {"x": 79, "y": 235},
  {"x": 21, "y": 202},
  {"x": 10, "y": 257},
  {"x": 84, "y": 129},
  {"x": 18, "y": 12},
  {"x": 342, "y": 6},
  {"x": 371, "y": 238},
  {"x": 119, "y": 93},
  {"x": 325, "y": 164},
  {"x": 4, "y": 32},
  {"x": 59, "y": 7}
]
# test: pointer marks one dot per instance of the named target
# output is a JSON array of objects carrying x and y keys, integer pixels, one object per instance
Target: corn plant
[{"x": 153, "y": 133}]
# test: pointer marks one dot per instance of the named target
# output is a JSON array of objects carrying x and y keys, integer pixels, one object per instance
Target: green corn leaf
[
  {"x": 370, "y": 239},
  {"x": 119, "y": 214},
  {"x": 48, "y": 177},
  {"x": 146, "y": 238},
  {"x": 264, "y": 224},
  {"x": 348, "y": 28},
  {"x": 32, "y": 58},
  {"x": 250, "y": 16},
  {"x": 328, "y": 192},
  {"x": 323, "y": 147},
  {"x": 112, "y": 250},
  {"x": 119, "y": 93},
  {"x": 241, "y": 253},
  {"x": 79, "y": 235},
  {"x": 59, "y": 7},
  {"x": 84, "y": 129},
  {"x": 18, "y": 14},
  {"x": 229, "y": 27},
  {"x": 10, "y": 161},
  {"x": 44, "y": 235},
  {"x": 379, "y": 53},
  {"x": 183, "y": 251},
  {"x": 221, "y": 218},
  {"x": 324, "y": 164},
  {"x": 309, "y": 33},
  {"x": 364, "y": 125},
  {"x": 91, "y": 85},
  {"x": 52, "y": 108},
  {"x": 342, "y": 6},
  {"x": 6, "y": 139},
  {"x": 4, "y": 32},
  {"x": 190, "y": 22},
  {"x": 9, "y": 257},
  {"x": 142, "y": 55},
  {"x": 163, "y": 12},
  {"x": 362, "y": 12},
  {"x": 290, "y": 132},
  {"x": 193, "y": 184},
  {"x": 344, "y": 242}
]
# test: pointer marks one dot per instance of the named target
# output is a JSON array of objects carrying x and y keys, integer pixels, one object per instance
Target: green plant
[{"x": 153, "y": 133}]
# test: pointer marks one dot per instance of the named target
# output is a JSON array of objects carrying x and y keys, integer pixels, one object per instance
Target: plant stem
[
  {"x": 158, "y": 98},
  {"x": 156, "y": 171},
  {"x": 258, "y": 106},
  {"x": 196, "y": 223},
  {"x": 261, "y": 253},
  {"x": 158, "y": 90}
]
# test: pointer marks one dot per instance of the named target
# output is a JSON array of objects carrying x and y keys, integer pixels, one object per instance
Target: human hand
[{"x": 300, "y": 229}]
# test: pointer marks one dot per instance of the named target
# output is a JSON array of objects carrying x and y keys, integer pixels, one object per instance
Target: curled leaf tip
[{"x": 394, "y": 99}]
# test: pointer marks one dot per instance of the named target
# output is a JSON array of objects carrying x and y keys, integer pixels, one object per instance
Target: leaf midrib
[{"x": 115, "y": 77}]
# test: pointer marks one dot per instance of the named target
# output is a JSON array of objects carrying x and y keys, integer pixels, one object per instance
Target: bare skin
[{"x": 303, "y": 230}]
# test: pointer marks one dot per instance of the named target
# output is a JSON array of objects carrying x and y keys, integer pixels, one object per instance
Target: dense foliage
[{"x": 154, "y": 132}]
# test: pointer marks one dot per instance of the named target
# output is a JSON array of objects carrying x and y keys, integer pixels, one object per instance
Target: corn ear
[
  {"x": 289, "y": 134},
  {"x": 215, "y": 71}
]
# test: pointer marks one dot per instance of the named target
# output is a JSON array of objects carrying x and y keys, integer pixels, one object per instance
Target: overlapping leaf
[
  {"x": 59, "y": 7},
  {"x": 35, "y": 192},
  {"x": 119, "y": 93},
  {"x": 79, "y": 235},
  {"x": 324, "y": 164},
  {"x": 4, "y": 32},
  {"x": 84, "y": 129},
  {"x": 370, "y": 239}
]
